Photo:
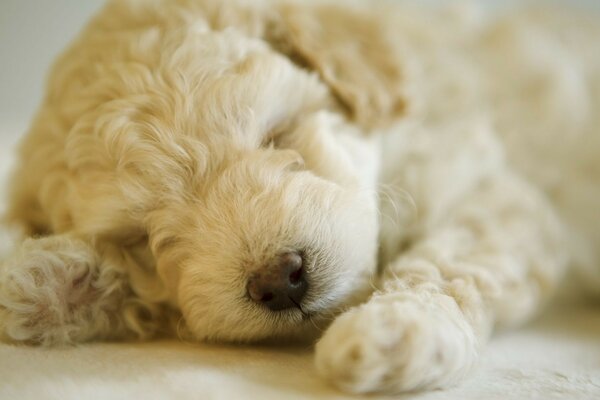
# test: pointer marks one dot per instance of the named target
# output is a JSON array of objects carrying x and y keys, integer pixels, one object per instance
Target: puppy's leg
[
  {"x": 489, "y": 262},
  {"x": 62, "y": 289}
]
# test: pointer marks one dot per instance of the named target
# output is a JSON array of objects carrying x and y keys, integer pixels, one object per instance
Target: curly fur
[{"x": 409, "y": 154}]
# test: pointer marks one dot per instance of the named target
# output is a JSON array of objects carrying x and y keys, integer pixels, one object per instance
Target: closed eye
[{"x": 272, "y": 140}]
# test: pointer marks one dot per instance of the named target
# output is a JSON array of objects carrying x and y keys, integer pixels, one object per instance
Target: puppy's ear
[{"x": 353, "y": 51}]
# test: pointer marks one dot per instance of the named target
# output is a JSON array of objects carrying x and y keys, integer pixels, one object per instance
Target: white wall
[{"x": 32, "y": 33}]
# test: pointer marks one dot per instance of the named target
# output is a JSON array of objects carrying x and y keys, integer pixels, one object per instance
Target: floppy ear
[{"x": 352, "y": 49}]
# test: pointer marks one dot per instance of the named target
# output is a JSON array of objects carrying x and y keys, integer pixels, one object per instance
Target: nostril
[
  {"x": 296, "y": 276},
  {"x": 267, "y": 297}
]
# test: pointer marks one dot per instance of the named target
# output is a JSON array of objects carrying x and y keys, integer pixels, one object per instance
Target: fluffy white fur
[{"x": 184, "y": 144}]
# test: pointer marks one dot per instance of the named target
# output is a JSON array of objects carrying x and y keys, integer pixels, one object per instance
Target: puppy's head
[
  {"x": 268, "y": 213},
  {"x": 269, "y": 244}
]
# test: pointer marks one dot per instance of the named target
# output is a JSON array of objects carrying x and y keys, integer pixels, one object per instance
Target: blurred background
[{"x": 33, "y": 32}]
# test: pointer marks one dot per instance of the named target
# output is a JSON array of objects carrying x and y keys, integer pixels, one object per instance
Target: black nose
[{"x": 281, "y": 284}]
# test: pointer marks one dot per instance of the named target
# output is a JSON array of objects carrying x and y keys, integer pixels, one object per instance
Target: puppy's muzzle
[{"x": 281, "y": 284}]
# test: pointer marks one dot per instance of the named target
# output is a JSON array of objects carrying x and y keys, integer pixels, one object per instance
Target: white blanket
[{"x": 556, "y": 357}]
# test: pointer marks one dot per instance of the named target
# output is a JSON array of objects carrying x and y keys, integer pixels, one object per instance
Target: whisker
[{"x": 394, "y": 196}]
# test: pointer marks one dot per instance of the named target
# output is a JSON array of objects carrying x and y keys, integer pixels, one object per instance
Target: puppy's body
[{"x": 184, "y": 147}]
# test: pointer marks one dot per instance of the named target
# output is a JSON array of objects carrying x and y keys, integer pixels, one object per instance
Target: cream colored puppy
[{"x": 243, "y": 170}]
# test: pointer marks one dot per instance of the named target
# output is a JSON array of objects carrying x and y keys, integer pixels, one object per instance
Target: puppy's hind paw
[{"x": 391, "y": 346}]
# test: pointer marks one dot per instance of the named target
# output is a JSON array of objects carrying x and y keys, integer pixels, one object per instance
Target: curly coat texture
[{"x": 409, "y": 154}]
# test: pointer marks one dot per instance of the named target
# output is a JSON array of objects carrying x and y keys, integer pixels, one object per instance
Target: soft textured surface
[{"x": 555, "y": 357}]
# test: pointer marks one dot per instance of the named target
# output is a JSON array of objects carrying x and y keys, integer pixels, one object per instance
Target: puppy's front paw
[
  {"x": 397, "y": 345},
  {"x": 50, "y": 292}
]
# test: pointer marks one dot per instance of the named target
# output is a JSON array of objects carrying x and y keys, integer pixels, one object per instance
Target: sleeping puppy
[{"x": 243, "y": 170}]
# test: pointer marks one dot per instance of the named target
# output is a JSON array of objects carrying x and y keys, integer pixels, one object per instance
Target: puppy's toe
[{"x": 397, "y": 346}]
